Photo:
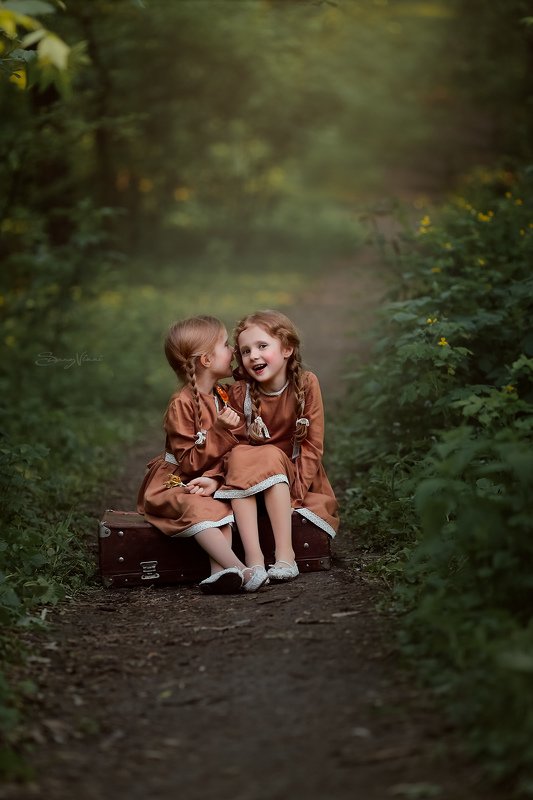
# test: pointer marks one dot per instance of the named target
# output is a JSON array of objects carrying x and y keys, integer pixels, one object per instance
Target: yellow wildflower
[
  {"x": 490, "y": 213},
  {"x": 522, "y": 232},
  {"x": 448, "y": 246},
  {"x": 509, "y": 388},
  {"x": 481, "y": 262},
  {"x": 122, "y": 180},
  {"x": 173, "y": 480},
  {"x": 483, "y": 217},
  {"x": 425, "y": 223},
  {"x": 442, "y": 342},
  {"x": 431, "y": 320},
  {"x": 146, "y": 185},
  {"x": 181, "y": 194},
  {"x": 508, "y": 195},
  {"x": 436, "y": 269},
  {"x": 20, "y": 77},
  {"x": 519, "y": 202}
]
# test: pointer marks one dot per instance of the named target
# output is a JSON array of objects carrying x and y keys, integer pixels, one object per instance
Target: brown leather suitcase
[{"x": 134, "y": 553}]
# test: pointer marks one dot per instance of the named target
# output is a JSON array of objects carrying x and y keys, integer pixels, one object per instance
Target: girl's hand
[
  {"x": 203, "y": 486},
  {"x": 229, "y": 419}
]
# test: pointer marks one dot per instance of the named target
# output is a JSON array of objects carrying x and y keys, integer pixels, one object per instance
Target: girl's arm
[
  {"x": 237, "y": 393},
  {"x": 312, "y": 447},
  {"x": 195, "y": 459}
]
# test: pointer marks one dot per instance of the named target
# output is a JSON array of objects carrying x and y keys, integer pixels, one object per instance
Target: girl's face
[
  {"x": 264, "y": 357},
  {"x": 221, "y": 357}
]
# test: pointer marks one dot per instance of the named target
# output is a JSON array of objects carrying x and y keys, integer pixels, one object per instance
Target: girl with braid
[
  {"x": 176, "y": 495},
  {"x": 282, "y": 407}
]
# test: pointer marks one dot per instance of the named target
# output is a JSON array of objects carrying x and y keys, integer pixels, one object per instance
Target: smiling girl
[{"x": 282, "y": 406}]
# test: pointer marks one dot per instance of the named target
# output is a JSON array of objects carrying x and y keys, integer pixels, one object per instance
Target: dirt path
[{"x": 296, "y": 691}]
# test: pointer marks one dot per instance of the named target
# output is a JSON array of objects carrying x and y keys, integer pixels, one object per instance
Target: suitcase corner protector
[{"x": 103, "y": 530}]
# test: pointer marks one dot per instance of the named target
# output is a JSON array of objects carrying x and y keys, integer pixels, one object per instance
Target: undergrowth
[{"x": 434, "y": 452}]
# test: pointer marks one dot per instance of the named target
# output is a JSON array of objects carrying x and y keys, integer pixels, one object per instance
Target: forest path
[{"x": 294, "y": 691}]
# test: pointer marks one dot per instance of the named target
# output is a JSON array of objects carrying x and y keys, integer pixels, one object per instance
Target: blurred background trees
[
  {"x": 161, "y": 159},
  {"x": 244, "y": 116}
]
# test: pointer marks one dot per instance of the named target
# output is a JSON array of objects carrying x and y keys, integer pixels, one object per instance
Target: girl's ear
[
  {"x": 287, "y": 352},
  {"x": 205, "y": 360}
]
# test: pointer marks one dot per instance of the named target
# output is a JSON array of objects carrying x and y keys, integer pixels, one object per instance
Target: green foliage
[
  {"x": 440, "y": 462},
  {"x": 163, "y": 159},
  {"x": 39, "y": 57}
]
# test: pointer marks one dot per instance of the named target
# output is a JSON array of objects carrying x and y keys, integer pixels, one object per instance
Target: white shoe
[
  {"x": 283, "y": 571},
  {"x": 227, "y": 581},
  {"x": 259, "y": 578}
]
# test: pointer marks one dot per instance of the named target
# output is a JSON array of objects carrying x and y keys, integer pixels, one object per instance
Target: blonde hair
[
  {"x": 185, "y": 342},
  {"x": 280, "y": 327}
]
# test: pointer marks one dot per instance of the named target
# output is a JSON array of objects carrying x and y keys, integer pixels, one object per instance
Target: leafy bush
[{"x": 441, "y": 469}]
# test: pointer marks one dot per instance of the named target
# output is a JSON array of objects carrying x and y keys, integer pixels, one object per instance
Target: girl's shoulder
[
  {"x": 310, "y": 380},
  {"x": 181, "y": 400},
  {"x": 237, "y": 392},
  {"x": 182, "y": 394}
]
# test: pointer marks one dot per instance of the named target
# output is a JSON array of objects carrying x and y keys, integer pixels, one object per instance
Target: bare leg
[
  {"x": 278, "y": 506},
  {"x": 218, "y": 548},
  {"x": 245, "y": 511},
  {"x": 226, "y": 533}
]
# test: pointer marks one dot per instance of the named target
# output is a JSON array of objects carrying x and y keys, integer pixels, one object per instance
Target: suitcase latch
[{"x": 149, "y": 570}]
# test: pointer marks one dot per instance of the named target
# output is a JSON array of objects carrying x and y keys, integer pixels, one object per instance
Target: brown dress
[
  {"x": 173, "y": 510},
  {"x": 252, "y": 468}
]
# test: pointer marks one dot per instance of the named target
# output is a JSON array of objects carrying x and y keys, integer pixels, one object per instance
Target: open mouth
[{"x": 258, "y": 368}]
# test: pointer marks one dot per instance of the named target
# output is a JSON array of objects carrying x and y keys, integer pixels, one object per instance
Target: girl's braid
[
  {"x": 297, "y": 377},
  {"x": 190, "y": 372},
  {"x": 254, "y": 434},
  {"x": 186, "y": 341}
]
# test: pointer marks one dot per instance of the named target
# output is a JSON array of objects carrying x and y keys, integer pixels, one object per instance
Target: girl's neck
[
  {"x": 273, "y": 392},
  {"x": 277, "y": 385},
  {"x": 205, "y": 382}
]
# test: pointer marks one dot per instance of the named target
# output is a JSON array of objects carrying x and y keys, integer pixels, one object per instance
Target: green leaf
[
  {"x": 52, "y": 49},
  {"x": 30, "y": 7},
  {"x": 23, "y": 55},
  {"x": 33, "y": 37},
  {"x": 517, "y": 661}
]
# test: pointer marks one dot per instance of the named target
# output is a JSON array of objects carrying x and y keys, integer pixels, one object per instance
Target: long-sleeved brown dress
[
  {"x": 252, "y": 468},
  {"x": 172, "y": 509}
]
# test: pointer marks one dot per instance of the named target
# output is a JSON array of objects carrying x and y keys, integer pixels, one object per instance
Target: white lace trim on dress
[
  {"x": 247, "y": 407},
  {"x": 232, "y": 494},
  {"x": 318, "y": 521},
  {"x": 203, "y": 526}
]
